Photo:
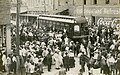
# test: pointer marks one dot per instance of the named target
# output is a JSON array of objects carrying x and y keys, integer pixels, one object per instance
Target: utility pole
[
  {"x": 83, "y": 9},
  {"x": 44, "y": 7},
  {"x": 53, "y": 4},
  {"x": 17, "y": 27}
]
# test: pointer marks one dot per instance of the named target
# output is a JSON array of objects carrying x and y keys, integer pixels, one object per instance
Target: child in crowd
[
  {"x": 27, "y": 67},
  {"x": 32, "y": 68},
  {"x": 39, "y": 68}
]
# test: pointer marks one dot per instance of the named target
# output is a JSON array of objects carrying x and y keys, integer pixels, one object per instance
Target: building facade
[
  {"x": 5, "y": 33},
  {"x": 98, "y": 12},
  {"x": 46, "y": 6}
]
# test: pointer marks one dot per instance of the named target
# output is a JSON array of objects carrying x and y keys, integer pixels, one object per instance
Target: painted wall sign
[
  {"x": 88, "y": 10},
  {"x": 108, "y": 21}
]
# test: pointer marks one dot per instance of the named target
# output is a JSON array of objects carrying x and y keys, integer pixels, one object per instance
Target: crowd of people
[
  {"x": 42, "y": 46},
  {"x": 104, "y": 50}
]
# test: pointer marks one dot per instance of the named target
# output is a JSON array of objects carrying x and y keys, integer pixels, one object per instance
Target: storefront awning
[{"x": 14, "y": 12}]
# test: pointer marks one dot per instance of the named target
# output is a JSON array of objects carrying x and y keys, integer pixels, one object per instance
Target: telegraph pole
[
  {"x": 44, "y": 7},
  {"x": 83, "y": 9},
  {"x": 17, "y": 27}
]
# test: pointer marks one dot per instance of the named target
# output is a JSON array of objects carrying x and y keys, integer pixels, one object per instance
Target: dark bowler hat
[{"x": 66, "y": 53}]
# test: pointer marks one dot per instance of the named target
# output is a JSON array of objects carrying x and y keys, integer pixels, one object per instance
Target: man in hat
[
  {"x": 77, "y": 48},
  {"x": 118, "y": 65},
  {"x": 4, "y": 60},
  {"x": 49, "y": 60},
  {"x": 72, "y": 60},
  {"x": 82, "y": 62},
  {"x": 66, "y": 61}
]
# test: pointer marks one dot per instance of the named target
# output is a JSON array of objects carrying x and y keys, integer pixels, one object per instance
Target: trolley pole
[
  {"x": 44, "y": 7},
  {"x": 83, "y": 10},
  {"x": 17, "y": 27}
]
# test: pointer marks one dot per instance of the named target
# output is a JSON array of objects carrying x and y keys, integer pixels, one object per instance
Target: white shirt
[
  {"x": 14, "y": 59},
  {"x": 71, "y": 54},
  {"x": 43, "y": 44},
  {"x": 30, "y": 34},
  {"x": 66, "y": 40},
  {"x": 111, "y": 60},
  {"x": 32, "y": 67},
  {"x": 79, "y": 54},
  {"x": 4, "y": 59},
  {"x": 24, "y": 52},
  {"x": 36, "y": 60},
  {"x": 112, "y": 46}
]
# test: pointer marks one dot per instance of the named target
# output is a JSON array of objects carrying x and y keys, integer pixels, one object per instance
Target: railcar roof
[
  {"x": 57, "y": 19},
  {"x": 61, "y": 16},
  {"x": 32, "y": 15}
]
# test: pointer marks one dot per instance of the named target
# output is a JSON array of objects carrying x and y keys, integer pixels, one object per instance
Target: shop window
[
  {"x": 2, "y": 37},
  {"x": 95, "y": 2},
  {"x": 107, "y": 1},
  {"x": 73, "y": 2},
  {"x": 76, "y": 28},
  {"x": 84, "y": 2},
  {"x": 58, "y": 2}
]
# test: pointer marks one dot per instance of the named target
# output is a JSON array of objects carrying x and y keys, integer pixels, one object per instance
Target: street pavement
[{"x": 72, "y": 71}]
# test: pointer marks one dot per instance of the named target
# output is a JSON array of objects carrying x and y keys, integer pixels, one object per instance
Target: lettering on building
[
  {"x": 98, "y": 10},
  {"x": 113, "y": 22}
]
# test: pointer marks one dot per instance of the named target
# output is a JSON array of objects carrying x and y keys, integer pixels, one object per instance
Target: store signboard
[
  {"x": 97, "y": 10},
  {"x": 4, "y": 12}
]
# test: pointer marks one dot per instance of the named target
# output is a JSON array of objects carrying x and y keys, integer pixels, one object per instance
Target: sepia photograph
[{"x": 59, "y": 37}]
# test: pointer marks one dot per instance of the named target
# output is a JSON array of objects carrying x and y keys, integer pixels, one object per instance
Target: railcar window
[
  {"x": 95, "y": 2},
  {"x": 76, "y": 28}
]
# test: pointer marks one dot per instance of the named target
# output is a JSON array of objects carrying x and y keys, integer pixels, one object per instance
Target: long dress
[{"x": 56, "y": 57}]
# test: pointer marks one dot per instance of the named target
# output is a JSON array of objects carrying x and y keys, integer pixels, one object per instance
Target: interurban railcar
[{"x": 76, "y": 27}]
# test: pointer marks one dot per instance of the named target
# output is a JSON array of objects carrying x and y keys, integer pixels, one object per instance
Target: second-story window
[
  {"x": 58, "y": 2},
  {"x": 107, "y": 1},
  {"x": 84, "y": 2},
  {"x": 95, "y": 2}
]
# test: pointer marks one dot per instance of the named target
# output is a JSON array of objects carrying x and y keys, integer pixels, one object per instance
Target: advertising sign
[{"x": 108, "y": 21}]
